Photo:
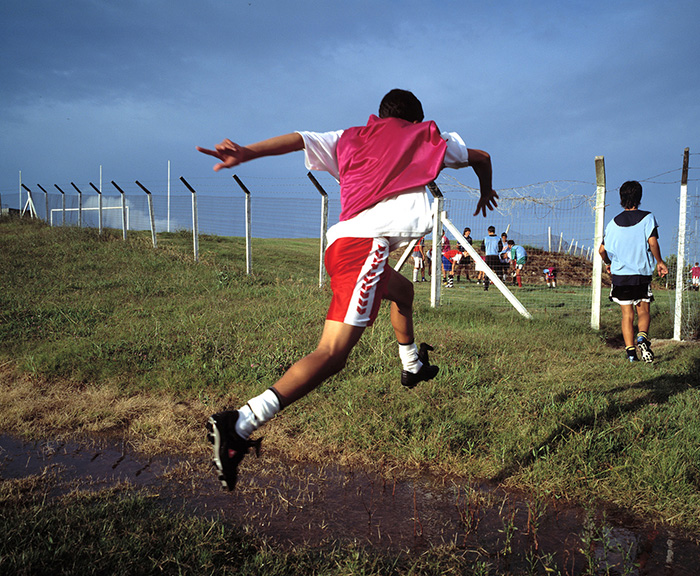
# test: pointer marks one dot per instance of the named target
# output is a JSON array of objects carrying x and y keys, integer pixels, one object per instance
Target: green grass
[{"x": 546, "y": 405}]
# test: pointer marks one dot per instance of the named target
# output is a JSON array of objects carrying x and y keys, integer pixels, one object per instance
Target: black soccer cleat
[
  {"x": 631, "y": 354},
  {"x": 426, "y": 372},
  {"x": 645, "y": 349},
  {"x": 229, "y": 447}
]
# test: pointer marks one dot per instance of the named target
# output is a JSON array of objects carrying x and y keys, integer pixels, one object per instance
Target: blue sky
[{"x": 543, "y": 86}]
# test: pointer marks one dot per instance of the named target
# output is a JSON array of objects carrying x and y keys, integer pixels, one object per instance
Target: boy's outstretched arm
[
  {"x": 480, "y": 162},
  {"x": 232, "y": 154}
]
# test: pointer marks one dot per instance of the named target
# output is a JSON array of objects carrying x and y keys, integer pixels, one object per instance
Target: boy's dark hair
[
  {"x": 511, "y": 243},
  {"x": 492, "y": 229},
  {"x": 467, "y": 229},
  {"x": 401, "y": 104},
  {"x": 630, "y": 194}
]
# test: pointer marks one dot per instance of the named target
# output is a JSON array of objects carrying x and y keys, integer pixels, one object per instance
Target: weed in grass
[
  {"x": 469, "y": 509},
  {"x": 536, "y": 509},
  {"x": 508, "y": 530}
]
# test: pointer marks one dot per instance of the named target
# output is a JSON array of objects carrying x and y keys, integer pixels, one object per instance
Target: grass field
[{"x": 98, "y": 335}]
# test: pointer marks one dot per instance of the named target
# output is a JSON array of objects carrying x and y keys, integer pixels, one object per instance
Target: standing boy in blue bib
[{"x": 630, "y": 248}]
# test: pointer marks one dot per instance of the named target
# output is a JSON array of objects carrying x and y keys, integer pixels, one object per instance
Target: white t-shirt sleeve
[
  {"x": 456, "y": 155},
  {"x": 320, "y": 151}
]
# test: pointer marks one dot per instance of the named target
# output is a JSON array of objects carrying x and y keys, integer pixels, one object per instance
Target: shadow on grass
[{"x": 658, "y": 391}]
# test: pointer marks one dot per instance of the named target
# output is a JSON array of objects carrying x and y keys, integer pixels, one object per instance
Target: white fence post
[
  {"x": 99, "y": 207},
  {"x": 29, "y": 204},
  {"x": 63, "y": 205},
  {"x": 248, "y": 228},
  {"x": 324, "y": 228},
  {"x": 46, "y": 198},
  {"x": 598, "y": 239},
  {"x": 195, "y": 220},
  {"x": 680, "y": 261},
  {"x": 151, "y": 215},
  {"x": 80, "y": 205},
  {"x": 124, "y": 223}
]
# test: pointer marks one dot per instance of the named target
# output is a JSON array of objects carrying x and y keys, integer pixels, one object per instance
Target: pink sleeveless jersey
[{"x": 384, "y": 158}]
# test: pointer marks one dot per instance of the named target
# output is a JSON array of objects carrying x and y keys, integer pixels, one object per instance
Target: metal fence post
[
  {"x": 99, "y": 207},
  {"x": 63, "y": 205},
  {"x": 80, "y": 205},
  {"x": 29, "y": 204},
  {"x": 195, "y": 220},
  {"x": 248, "y": 227},
  {"x": 150, "y": 213},
  {"x": 46, "y": 198},
  {"x": 124, "y": 225},
  {"x": 324, "y": 229}
]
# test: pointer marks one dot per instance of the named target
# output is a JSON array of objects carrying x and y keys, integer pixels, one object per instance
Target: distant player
[
  {"x": 518, "y": 259},
  {"x": 630, "y": 247},
  {"x": 695, "y": 277},
  {"x": 504, "y": 256},
  {"x": 450, "y": 260},
  {"x": 463, "y": 265},
  {"x": 492, "y": 247},
  {"x": 419, "y": 260},
  {"x": 550, "y": 276},
  {"x": 383, "y": 168}
]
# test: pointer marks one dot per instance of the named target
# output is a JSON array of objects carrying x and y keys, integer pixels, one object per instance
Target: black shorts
[{"x": 631, "y": 295}]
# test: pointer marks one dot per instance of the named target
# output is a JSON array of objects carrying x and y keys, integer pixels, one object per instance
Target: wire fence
[{"x": 554, "y": 218}]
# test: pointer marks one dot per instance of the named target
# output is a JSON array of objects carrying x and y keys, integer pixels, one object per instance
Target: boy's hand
[
  {"x": 662, "y": 269},
  {"x": 230, "y": 154},
  {"x": 487, "y": 200}
]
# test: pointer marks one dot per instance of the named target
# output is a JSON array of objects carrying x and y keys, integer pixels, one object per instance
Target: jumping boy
[
  {"x": 382, "y": 168},
  {"x": 630, "y": 246}
]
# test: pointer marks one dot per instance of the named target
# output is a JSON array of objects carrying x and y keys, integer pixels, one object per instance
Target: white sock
[
  {"x": 256, "y": 412},
  {"x": 415, "y": 274},
  {"x": 409, "y": 357}
]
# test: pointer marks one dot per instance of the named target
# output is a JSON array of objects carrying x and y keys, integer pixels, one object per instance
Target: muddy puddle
[{"x": 298, "y": 504}]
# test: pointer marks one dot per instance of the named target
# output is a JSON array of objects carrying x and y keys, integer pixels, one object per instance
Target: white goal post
[{"x": 443, "y": 220}]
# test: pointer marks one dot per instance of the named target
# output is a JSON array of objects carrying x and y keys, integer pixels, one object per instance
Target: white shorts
[{"x": 418, "y": 262}]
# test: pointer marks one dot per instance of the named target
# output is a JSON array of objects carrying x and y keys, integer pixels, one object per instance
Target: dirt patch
[{"x": 294, "y": 503}]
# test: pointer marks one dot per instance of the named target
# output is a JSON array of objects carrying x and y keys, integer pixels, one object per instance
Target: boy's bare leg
[
  {"x": 329, "y": 357},
  {"x": 416, "y": 365},
  {"x": 643, "y": 317},
  {"x": 627, "y": 324},
  {"x": 400, "y": 293},
  {"x": 229, "y": 431}
]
